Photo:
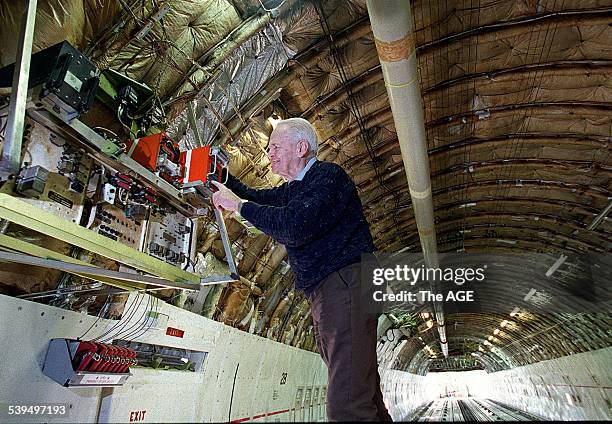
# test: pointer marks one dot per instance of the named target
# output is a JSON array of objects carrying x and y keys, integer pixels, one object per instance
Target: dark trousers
[{"x": 345, "y": 332}]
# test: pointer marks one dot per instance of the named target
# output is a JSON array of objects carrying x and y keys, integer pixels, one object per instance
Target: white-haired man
[{"x": 318, "y": 216}]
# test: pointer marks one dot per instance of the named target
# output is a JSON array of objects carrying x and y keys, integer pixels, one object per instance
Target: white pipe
[{"x": 392, "y": 23}]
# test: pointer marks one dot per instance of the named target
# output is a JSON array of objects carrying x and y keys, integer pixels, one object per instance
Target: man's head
[{"x": 293, "y": 143}]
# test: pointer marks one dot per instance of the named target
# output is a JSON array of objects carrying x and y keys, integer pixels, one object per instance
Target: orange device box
[
  {"x": 145, "y": 150},
  {"x": 198, "y": 164}
]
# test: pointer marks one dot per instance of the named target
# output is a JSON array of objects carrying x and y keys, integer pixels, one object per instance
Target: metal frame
[
  {"x": 12, "y": 244},
  {"x": 105, "y": 151},
  {"x": 216, "y": 279},
  {"x": 168, "y": 276},
  {"x": 11, "y": 152},
  {"x": 22, "y": 213},
  {"x": 93, "y": 272},
  {"x": 110, "y": 155}
]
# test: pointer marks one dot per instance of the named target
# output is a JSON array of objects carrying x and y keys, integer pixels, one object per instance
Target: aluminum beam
[
  {"x": 90, "y": 271},
  {"x": 22, "y": 213},
  {"x": 11, "y": 152}
]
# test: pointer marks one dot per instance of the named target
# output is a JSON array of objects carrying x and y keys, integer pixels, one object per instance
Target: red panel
[
  {"x": 175, "y": 332},
  {"x": 146, "y": 150},
  {"x": 197, "y": 164}
]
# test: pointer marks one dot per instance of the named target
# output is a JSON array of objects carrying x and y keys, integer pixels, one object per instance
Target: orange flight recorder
[{"x": 160, "y": 154}]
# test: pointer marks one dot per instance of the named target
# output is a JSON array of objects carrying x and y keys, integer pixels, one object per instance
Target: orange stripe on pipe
[
  {"x": 394, "y": 51},
  {"x": 427, "y": 231}
]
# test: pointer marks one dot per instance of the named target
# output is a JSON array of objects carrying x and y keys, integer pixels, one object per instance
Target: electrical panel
[
  {"x": 143, "y": 192},
  {"x": 54, "y": 174},
  {"x": 170, "y": 238},
  {"x": 110, "y": 221}
]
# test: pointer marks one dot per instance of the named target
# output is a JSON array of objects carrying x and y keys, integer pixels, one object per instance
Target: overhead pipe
[{"x": 392, "y": 23}]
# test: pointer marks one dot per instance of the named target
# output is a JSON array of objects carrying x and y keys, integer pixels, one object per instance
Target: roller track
[{"x": 470, "y": 409}]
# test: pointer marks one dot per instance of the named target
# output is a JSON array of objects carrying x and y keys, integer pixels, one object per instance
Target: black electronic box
[{"x": 66, "y": 78}]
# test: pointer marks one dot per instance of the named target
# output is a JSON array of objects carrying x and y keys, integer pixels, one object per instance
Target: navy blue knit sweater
[{"x": 319, "y": 220}]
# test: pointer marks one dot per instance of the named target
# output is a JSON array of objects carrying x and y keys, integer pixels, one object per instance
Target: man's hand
[{"x": 225, "y": 199}]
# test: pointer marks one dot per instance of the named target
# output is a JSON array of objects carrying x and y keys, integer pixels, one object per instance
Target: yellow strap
[{"x": 412, "y": 81}]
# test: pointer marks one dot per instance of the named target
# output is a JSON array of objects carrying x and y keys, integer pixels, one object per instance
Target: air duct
[{"x": 392, "y": 23}]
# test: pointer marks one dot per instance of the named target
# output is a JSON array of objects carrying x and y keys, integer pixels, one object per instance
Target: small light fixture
[{"x": 274, "y": 119}]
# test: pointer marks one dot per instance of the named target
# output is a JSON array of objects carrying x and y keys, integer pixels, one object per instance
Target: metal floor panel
[{"x": 470, "y": 409}]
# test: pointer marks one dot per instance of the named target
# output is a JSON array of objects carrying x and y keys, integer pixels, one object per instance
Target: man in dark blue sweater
[{"x": 318, "y": 216}]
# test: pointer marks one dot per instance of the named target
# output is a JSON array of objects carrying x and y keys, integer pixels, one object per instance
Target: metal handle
[{"x": 214, "y": 171}]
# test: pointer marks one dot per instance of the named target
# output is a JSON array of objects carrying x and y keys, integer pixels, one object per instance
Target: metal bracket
[
  {"x": 15, "y": 245},
  {"x": 218, "y": 279}
]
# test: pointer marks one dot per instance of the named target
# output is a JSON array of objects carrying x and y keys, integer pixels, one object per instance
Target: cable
[
  {"x": 466, "y": 152},
  {"x": 97, "y": 319},
  {"x": 190, "y": 262},
  {"x": 144, "y": 330},
  {"x": 121, "y": 323},
  {"x": 274, "y": 8},
  {"x": 123, "y": 195},
  {"x": 129, "y": 311},
  {"x": 128, "y": 128},
  {"x": 518, "y": 142},
  {"x": 137, "y": 323}
]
